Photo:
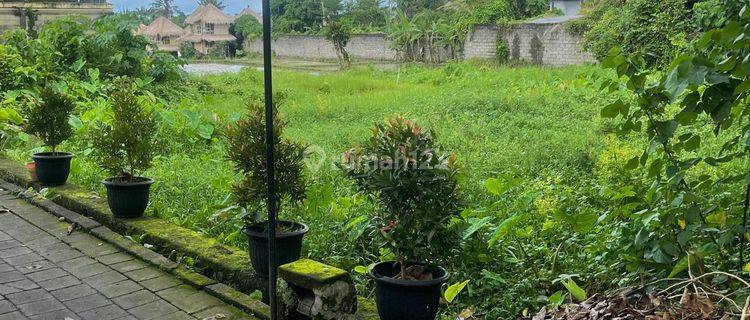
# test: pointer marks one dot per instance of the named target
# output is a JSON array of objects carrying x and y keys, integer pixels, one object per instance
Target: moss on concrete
[
  {"x": 310, "y": 274},
  {"x": 193, "y": 278}
]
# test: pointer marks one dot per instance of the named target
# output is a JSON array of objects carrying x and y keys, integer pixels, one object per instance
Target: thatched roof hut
[
  {"x": 165, "y": 33},
  {"x": 207, "y": 26},
  {"x": 162, "y": 27},
  {"x": 209, "y": 13}
]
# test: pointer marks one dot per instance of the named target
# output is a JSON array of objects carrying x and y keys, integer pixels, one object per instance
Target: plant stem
[
  {"x": 402, "y": 263},
  {"x": 684, "y": 184},
  {"x": 528, "y": 258},
  {"x": 743, "y": 236}
]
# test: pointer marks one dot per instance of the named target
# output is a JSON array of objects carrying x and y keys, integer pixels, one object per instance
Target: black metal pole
[{"x": 269, "y": 158}]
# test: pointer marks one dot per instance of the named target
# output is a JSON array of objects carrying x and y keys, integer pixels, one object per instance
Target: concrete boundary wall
[
  {"x": 362, "y": 46},
  {"x": 539, "y": 43}
]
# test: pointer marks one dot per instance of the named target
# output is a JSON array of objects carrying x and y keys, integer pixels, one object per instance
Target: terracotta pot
[{"x": 32, "y": 170}]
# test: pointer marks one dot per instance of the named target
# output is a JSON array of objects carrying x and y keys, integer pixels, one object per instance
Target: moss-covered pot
[
  {"x": 52, "y": 168},
  {"x": 396, "y": 297},
  {"x": 128, "y": 199},
  {"x": 288, "y": 244}
]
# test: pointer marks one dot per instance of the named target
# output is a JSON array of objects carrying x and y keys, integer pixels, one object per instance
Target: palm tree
[
  {"x": 218, "y": 3},
  {"x": 163, "y": 8}
]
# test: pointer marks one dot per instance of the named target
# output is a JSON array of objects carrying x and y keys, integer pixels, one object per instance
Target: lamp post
[{"x": 269, "y": 157}]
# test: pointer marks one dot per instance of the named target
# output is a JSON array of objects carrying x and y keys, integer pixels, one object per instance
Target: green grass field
[
  {"x": 538, "y": 124},
  {"x": 531, "y": 122}
]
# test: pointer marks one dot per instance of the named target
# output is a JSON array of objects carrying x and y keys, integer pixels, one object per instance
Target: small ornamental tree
[
  {"x": 48, "y": 118},
  {"x": 246, "y": 148},
  {"x": 416, "y": 187},
  {"x": 124, "y": 147},
  {"x": 338, "y": 32}
]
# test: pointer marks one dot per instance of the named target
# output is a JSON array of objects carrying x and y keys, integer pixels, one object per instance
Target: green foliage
[
  {"x": 246, "y": 149},
  {"x": 124, "y": 147},
  {"x": 302, "y": 16},
  {"x": 415, "y": 186},
  {"x": 219, "y": 50},
  {"x": 365, "y": 14},
  {"x": 10, "y": 65},
  {"x": 502, "y": 53},
  {"x": 453, "y": 290},
  {"x": 711, "y": 14},
  {"x": 187, "y": 50},
  {"x": 48, "y": 118},
  {"x": 246, "y": 27},
  {"x": 642, "y": 26},
  {"x": 163, "y": 8},
  {"x": 218, "y": 3},
  {"x": 695, "y": 118}
]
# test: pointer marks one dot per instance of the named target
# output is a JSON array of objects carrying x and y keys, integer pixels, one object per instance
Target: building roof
[
  {"x": 248, "y": 11},
  {"x": 208, "y": 37},
  {"x": 162, "y": 27},
  {"x": 209, "y": 13},
  {"x": 140, "y": 28}
]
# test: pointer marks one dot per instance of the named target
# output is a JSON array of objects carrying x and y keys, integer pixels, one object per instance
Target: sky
[{"x": 187, "y": 6}]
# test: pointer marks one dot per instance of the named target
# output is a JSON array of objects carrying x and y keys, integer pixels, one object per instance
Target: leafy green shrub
[
  {"x": 592, "y": 12},
  {"x": 643, "y": 26},
  {"x": 219, "y": 50},
  {"x": 246, "y": 149},
  {"x": 163, "y": 67},
  {"x": 66, "y": 36},
  {"x": 415, "y": 186},
  {"x": 710, "y": 14},
  {"x": 246, "y": 28},
  {"x": 124, "y": 146},
  {"x": 187, "y": 50},
  {"x": 9, "y": 61},
  {"x": 502, "y": 53},
  {"x": 694, "y": 197},
  {"x": 48, "y": 118}
]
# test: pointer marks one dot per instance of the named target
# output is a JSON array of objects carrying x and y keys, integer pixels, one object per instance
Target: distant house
[
  {"x": 207, "y": 26},
  {"x": 31, "y": 15},
  {"x": 248, "y": 11},
  {"x": 165, "y": 33},
  {"x": 568, "y": 7}
]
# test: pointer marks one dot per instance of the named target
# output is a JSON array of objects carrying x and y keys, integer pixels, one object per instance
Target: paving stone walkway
[{"x": 47, "y": 274}]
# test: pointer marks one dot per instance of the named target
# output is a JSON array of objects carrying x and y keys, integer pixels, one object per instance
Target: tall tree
[
  {"x": 218, "y": 3},
  {"x": 365, "y": 13},
  {"x": 412, "y": 7},
  {"x": 164, "y": 8},
  {"x": 302, "y": 15}
]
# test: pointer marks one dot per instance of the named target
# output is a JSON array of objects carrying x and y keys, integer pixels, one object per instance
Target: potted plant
[
  {"x": 48, "y": 120},
  {"x": 124, "y": 148},
  {"x": 415, "y": 188},
  {"x": 246, "y": 148}
]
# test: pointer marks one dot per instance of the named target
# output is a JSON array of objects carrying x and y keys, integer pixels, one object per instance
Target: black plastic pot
[
  {"x": 128, "y": 199},
  {"x": 401, "y": 299},
  {"x": 288, "y": 244},
  {"x": 52, "y": 168}
]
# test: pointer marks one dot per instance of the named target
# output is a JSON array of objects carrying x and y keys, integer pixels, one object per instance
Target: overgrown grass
[{"x": 538, "y": 124}]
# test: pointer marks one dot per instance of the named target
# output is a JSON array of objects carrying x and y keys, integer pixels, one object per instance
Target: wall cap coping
[{"x": 310, "y": 274}]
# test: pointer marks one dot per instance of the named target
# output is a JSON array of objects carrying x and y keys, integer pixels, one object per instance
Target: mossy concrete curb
[{"x": 214, "y": 262}]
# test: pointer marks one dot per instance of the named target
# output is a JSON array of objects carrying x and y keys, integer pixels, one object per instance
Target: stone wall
[
  {"x": 539, "y": 43},
  {"x": 10, "y": 17},
  {"x": 363, "y": 46}
]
